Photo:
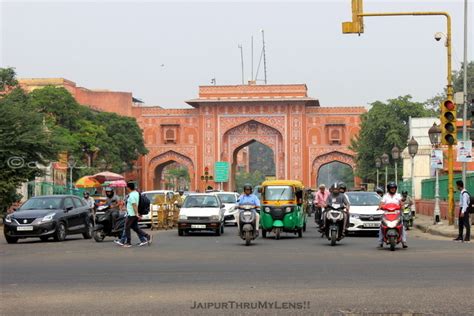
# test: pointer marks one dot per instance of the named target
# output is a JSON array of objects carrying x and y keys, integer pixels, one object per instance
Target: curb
[{"x": 432, "y": 229}]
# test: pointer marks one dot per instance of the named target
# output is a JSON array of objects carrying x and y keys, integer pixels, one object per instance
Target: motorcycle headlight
[
  {"x": 48, "y": 218},
  {"x": 353, "y": 215},
  {"x": 214, "y": 217},
  {"x": 8, "y": 219},
  {"x": 184, "y": 217},
  {"x": 391, "y": 224},
  {"x": 288, "y": 209},
  {"x": 267, "y": 209}
]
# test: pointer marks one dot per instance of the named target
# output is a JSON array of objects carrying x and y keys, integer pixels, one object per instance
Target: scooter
[
  {"x": 407, "y": 217},
  {"x": 392, "y": 225},
  {"x": 248, "y": 223},
  {"x": 106, "y": 226},
  {"x": 334, "y": 228}
]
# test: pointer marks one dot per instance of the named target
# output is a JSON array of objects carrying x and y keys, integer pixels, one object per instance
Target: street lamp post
[
  {"x": 71, "y": 162},
  {"x": 435, "y": 134},
  {"x": 385, "y": 162},
  {"x": 412, "y": 150},
  {"x": 378, "y": 163},
  {"x": 395, "y": 156}
]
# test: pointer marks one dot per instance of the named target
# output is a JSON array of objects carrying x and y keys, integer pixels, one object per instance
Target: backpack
[
  {"x": 143, "y": 204},
  {"x": 470, "y": 203}
]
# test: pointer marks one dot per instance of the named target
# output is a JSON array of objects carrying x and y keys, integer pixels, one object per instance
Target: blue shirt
[
  {"x": 250, "y": 199},
  {"x": 133, "y": 198}
]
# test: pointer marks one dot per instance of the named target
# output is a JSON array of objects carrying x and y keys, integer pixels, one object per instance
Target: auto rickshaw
[{"x": 283, "y": 207}]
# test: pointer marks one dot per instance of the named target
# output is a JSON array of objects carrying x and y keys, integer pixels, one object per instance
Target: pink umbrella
[
  {"x": 107, "y": 176},
  {"x": 117, "y": 184}
]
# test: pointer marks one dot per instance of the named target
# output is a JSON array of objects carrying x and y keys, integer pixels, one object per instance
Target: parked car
[
  {"x": 364, "y": 212},
  {"x": 230, "y": 204},
  {"x": 155, "y": 196},
  {"x": 49, "y": 216},
  {"x": 201, "y": 212}
]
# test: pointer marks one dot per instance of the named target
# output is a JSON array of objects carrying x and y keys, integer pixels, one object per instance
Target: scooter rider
[
  {"x": 113, "y": 203},
  {"x": 336, "y": 197},
  {"x": 379, "y": 191},
  {"x": 342, "y": 190},
  {"x": 392, "y": 197},
  {"x": 320, "y": 202},
  {"x": 406, "y": 199},
  {"x": 248, "y": 198}
]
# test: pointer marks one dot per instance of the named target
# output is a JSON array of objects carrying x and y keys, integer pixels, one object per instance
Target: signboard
[
  {"x": 464, "y": 150},
  {"x": 437, "y": 159},
  {"x": 221, "y": 170}
]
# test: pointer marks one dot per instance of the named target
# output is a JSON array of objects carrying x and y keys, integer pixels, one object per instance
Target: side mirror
[
  {"x": 260, "y": 190},
  {"x": 69, "y": 208},
  {"x": 222, "y": 206}
]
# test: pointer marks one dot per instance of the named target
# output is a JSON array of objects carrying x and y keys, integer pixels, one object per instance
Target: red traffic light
[
  {"x": 206, "y": 169},
  {"x": 449, "y": 105}
]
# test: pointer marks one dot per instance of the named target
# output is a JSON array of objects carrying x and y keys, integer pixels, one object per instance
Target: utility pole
[
  {"x": 464, "y": 111},
  {"x": 264, "y": 57},
  {"x": 356, "y": 26},
  {"x": 251, "y": 49},
  {"x": 242, "y": 62}
]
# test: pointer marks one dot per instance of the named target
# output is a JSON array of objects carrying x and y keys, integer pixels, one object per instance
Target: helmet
[
  {"x": 391, "y": 185},
  {"x": 404, "y": 192},
  {"x": 85, "y": 193},
  {"x": 247, "y": 186},
  {"x": 342, "y": 185},
  {"x": 379, "y": 190},
  {"x": 335, "y": 188},
  {"x": 109, "y": 189}
]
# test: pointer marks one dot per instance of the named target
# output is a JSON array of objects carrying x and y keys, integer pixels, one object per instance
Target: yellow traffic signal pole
[{"x": 357, "y": 26}]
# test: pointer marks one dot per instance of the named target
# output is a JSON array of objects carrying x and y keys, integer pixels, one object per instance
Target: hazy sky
[{"x": 162, "y": 51}]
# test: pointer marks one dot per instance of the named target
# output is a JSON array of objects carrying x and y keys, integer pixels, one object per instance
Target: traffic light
[
  {"x": 448, "y": 123},
  {"x": 357, "y": 24}
]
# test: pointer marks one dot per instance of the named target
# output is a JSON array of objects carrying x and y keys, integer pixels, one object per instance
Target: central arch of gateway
[{"x": 303, "y": 135}]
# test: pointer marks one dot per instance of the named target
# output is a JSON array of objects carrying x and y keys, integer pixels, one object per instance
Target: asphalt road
[{"x": 183, "y": 275}]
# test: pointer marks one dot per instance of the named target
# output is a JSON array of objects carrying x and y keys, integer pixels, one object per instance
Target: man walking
[
  {"x": 133, "y": 216},
  {"x": 464, "y": 200}
]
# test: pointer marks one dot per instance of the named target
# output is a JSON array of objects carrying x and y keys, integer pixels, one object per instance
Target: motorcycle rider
[
  {"x": 336, "y": 197},
  {"x": 248, "y": 198},
  {"x": 342, "y": 190},
  {"x": 379, "y": 191},
  {"x": 320, "y": 202},
  {"x": 392, "y": 197},
  {"x": 113, "y": 202},
  {"x": 406, "y": 199}
]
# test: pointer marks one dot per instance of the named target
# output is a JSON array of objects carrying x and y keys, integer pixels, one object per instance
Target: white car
[
  {"x": 201, "y": 212},
  {"x": 230, "y": 204},
  {"x": 152, "y": 195},
  {"x": 364, "y": 211}
]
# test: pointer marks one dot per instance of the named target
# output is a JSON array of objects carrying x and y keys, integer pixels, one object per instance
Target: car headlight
[
  {"x": 353, "y": 215},
  {"x": 214, "y": 217},
  {"x": 267, "y": 209},
  {"x": 8, "y": 219},
  {"x": 48, "y": 218},
  {"x": 288, "y": 209},
  {"x": 183, "y": 217}
]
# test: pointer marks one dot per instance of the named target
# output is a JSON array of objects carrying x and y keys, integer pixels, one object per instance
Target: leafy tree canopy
[{"x": 382, "y": 127}]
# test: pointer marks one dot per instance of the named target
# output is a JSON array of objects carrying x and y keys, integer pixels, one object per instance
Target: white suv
[{"x": 200, "y": 212}]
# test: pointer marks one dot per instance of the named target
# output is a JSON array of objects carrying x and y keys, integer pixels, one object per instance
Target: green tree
[
  {"x": 382, "y": 127},
  {"x": 254, "y": 178},
  {"x": 25, "y": 144},
  {"x": 178, "y": 175},
  {"x": 7, "y": 78},
  {"x": 458, "y": 84}
]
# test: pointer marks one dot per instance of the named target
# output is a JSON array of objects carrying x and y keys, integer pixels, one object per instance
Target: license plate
[
  {"x": 371, "y": 224},
  {"x": 24, "y": 228},
  {"x": 198, "y": 226}
]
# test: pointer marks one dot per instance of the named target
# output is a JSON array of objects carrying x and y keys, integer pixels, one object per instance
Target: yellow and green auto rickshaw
[{"x": 283, "y": 207}]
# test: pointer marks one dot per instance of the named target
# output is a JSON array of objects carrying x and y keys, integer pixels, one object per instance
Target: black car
[{"x": 49, "y": 216}]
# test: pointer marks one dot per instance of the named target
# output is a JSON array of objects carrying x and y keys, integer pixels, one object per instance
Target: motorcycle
[
  {"x": 407, "y": 217},
  {"x": 248, "y": 223},
  {"x": 334, "y": 227},
  {"x": 391, "y": 225},
  {"x": 106, "y": 225}
]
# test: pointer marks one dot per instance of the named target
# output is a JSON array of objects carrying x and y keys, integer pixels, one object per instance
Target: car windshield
[
  {"x": 155, "y": 198},
  {"x": 278, "y": 192},
  {"x": 228, "y": 198},
  {"x": 201, "y": 201},
  {"x": 363, "y": 199},
  {"x": 42, "y": 203}
]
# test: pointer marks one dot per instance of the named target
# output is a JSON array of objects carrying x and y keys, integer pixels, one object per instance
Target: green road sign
[{"x": 221, "y": 171}]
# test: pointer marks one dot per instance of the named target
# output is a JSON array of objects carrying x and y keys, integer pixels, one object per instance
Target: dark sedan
[{"x": 49, "y": 216}]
